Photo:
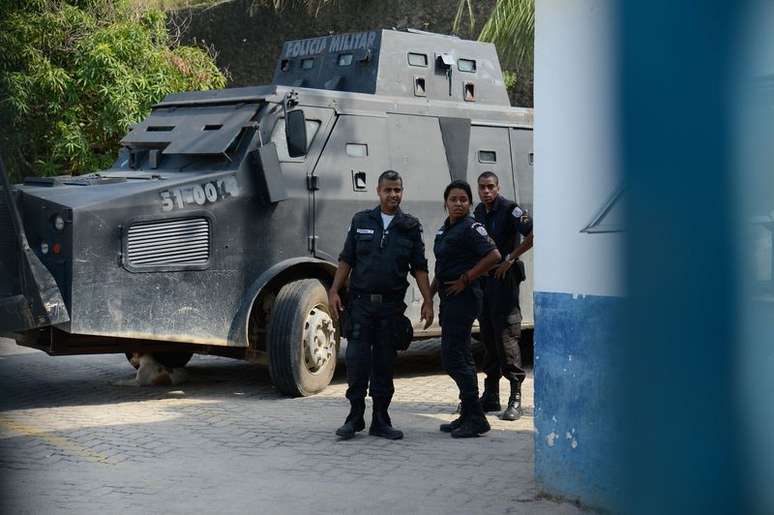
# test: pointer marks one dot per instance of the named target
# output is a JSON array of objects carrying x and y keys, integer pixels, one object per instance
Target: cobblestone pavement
[{"x": 73, "y": 439}]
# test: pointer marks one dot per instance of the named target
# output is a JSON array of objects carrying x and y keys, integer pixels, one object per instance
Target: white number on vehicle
[{"x": 199, "y": 194}]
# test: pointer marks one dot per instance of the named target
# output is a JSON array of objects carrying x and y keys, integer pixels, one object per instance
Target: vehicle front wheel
[{"x": 301, "y": 339}]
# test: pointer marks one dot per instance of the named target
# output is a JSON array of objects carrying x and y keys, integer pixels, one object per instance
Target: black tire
[
  {"x": 169, "y": 359},
  {"x": 288, "y": 367}
]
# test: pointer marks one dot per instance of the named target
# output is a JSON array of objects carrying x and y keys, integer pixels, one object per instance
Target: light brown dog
[{"x": 152, "y": 373}]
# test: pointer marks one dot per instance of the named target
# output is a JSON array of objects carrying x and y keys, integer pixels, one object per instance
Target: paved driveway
[{"x": 74, "y": 438}]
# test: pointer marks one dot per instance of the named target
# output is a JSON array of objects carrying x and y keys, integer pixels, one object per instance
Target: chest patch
[{"x": 364, "y": 231}]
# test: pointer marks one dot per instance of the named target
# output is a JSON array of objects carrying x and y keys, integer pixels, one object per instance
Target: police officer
[
  {"x": 500, "y": 321},
  {"x": 463, "y": 252},
  {"x": 383, "y": 245}
]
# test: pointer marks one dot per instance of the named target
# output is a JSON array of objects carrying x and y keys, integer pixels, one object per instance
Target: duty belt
[
  {"x": 378, "y": 298},
  {"x": 491, "y": 273}
]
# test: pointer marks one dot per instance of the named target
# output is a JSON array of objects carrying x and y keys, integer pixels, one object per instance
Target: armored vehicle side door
[
  {"x": 360, "y": 148},
  {"x": 508, "y": 153},
  {"x": 297, "y": 170},
  {"x": 346, "y": 177},
  {"x": 490, "y": 151}
]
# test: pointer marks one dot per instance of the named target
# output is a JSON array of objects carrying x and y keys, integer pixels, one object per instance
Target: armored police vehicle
[{"x": 217, "y": 229}]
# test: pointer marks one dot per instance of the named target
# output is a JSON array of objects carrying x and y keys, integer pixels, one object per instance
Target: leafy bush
[{"x": 75, "y": 74}]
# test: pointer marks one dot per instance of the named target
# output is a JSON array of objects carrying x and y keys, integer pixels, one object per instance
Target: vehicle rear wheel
[
  {"x": 169, "y": 359},
  {"x": 301, "y": 339}
]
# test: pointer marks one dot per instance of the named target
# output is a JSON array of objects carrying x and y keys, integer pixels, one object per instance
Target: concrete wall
[{"x": 578, "y": 276}]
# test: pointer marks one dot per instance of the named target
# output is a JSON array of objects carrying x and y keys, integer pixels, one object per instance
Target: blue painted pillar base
[{"x": 578, "y": 435}]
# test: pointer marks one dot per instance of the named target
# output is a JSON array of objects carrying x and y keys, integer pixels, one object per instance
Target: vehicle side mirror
[{"x": 295, "y": 133}]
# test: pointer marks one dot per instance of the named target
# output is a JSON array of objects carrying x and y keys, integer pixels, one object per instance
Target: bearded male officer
[
  {"x": 500, "y": 321},
  {"x": 383, "y": 245}
]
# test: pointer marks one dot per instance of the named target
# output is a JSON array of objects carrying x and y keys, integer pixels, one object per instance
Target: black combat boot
[
  {"x": 490, "y": 399},
  {"x": 454, "y": 424},
  {"x": 355, "y": 421},
  {"x": 513, "y": 411},
  {"x": 474, "y": 424},
  {"x": 381, "y": 425}
]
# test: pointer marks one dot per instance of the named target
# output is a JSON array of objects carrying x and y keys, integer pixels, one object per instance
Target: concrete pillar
[
  {"x": 653, "y": 347},
  {"x": 578, "y": 249}
]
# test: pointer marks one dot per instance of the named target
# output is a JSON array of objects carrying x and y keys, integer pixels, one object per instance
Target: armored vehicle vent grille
[{"x": 175, "y": 242}]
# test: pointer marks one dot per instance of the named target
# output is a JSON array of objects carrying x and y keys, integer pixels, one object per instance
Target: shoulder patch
[
  {"x": 480, "y": 229},
  {"x": 517, "y": 212}
]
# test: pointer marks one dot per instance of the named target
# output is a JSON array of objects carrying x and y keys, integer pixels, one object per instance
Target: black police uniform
[
  {"x": 458, "y": 247},
  {"x": 380, "y": 259},
  {"x": 500, "y": 321}
]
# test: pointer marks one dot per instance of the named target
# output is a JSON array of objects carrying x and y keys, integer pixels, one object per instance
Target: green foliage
[
  {"x": 75, "y": 74},
  {"x": 511, "y": 80},
  {"x": 511, "y": 27}
]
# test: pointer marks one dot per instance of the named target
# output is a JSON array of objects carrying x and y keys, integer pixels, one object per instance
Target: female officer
[{"x": 463, "y": 251}]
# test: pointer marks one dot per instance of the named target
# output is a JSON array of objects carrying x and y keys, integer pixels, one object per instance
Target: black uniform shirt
[
  {"x": 459, "y": 246},
  {"x": 381, "y": 259},
  {"x": 504, "y": 223}
]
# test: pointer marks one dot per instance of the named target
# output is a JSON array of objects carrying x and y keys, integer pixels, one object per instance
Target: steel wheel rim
[{"x": 319, "y": 340}]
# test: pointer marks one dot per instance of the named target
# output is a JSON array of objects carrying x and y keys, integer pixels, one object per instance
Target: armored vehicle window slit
[
  {"x": 357, "y": 150},
  {"x": 415, "y": 59},
  {"x": 165, "y": 128},
  {"x": 466, "y": 65},
  {"x": 212, "y": 127},
  {"x": 307, "y": 64},
  {"x": 345, "y": 59},
  {"x": 285, "y": 65},
  {"x": 487, "y": 156},
  {"x": 469, "y": 92},
  {"x": 420, "y": 90}
]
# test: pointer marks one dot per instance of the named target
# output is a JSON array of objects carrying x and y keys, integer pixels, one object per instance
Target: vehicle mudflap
[{"x": 29, "y": 295}]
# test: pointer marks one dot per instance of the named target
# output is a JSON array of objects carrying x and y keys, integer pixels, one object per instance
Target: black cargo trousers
[
  {"x": 500, "y": 325},
  {"x": 371, "y": 353},
  {"x": 457, "y": 314}
]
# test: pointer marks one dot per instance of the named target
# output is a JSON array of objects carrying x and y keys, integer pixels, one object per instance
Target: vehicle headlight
[{"x": 59, "y": 222}]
